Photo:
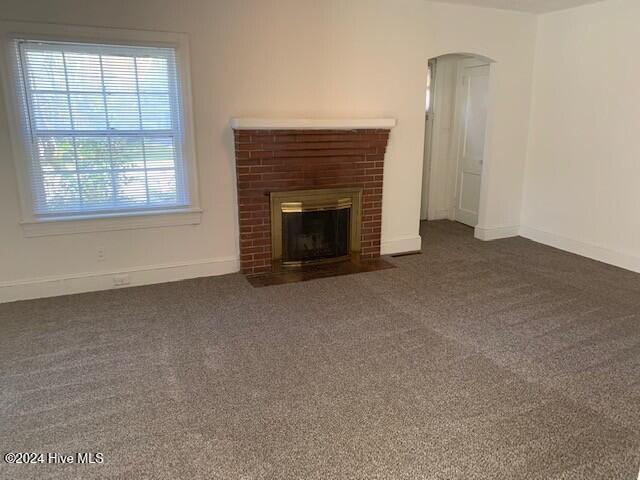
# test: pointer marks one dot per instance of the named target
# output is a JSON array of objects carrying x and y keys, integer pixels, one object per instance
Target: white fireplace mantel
[{"x": 312, "y": 124}]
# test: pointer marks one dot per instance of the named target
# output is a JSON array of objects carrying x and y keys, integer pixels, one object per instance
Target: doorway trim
[{"x": 481, "y": 232}]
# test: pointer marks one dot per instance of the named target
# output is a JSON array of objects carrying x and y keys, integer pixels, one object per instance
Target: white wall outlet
[
  {"x": 120, "y": 280},
  {"x": 100, "y": 254}
]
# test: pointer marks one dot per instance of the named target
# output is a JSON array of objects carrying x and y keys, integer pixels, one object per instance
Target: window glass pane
[
  {"x": 119, "y": 74},
  {"x": 97, "y": 189},
  {"x": 162, "y": 186},
  {"x": 159, "y": 152},
  {"x": 56, "y": 154},
  {"x": 131, "y": 188},
  {"x": 46, "y": 70},
  {"x": 152, "y": 75},
  {"x": 61, "y": 191},
  {"x": 93, "y": 153},
  {"x": 127, "y": 152},
  {"x": 156, "y": 112},
  {"x": 51, "y": 111},
  {"x": 83, "y": 72},
  {"x": 429, "y": 82},
  {"x": 87, "y": 111},
  {"x": 123, "y": 112}
]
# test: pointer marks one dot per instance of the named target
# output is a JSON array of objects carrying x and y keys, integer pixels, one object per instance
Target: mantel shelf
[{"x": 312, "y": 124}]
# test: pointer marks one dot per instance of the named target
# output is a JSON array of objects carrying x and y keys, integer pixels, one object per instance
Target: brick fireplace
[{"x": 290, "y": 155}]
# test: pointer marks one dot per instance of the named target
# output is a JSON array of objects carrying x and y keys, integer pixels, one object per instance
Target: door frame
[{"x": 425, "y": 199}]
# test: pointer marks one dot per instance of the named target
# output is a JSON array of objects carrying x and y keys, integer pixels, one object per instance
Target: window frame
[{"x": 19, "y": 129}]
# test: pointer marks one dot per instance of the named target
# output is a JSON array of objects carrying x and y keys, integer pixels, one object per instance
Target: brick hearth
[{"x": 281, "y": 160}]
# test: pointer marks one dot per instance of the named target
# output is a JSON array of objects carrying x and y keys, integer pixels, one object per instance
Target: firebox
[{"x": 315, "y": 226}]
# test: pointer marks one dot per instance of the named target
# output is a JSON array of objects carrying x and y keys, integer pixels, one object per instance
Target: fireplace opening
[
  {"x": 315, "y": 226},
  {"x": 315, "y": 235}
]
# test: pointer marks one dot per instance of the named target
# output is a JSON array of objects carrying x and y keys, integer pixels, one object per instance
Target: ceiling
[{"x": 533, "y": 6}]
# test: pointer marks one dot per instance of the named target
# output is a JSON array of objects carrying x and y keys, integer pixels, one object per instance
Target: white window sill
[{"x": 41, "y": 227}]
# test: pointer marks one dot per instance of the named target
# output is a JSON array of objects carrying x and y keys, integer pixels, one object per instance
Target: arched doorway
[{"x": 456, "y": 115}]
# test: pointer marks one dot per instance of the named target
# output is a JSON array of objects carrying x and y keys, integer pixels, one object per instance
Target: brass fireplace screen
[{"x": 315, "y": 226}]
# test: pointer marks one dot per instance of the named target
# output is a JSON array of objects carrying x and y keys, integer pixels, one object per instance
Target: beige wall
[
  {"x": 583, "y": 173},
  {"x": 354, "y": 58}
]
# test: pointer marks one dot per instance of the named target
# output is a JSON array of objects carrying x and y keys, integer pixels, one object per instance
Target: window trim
[{"x": 36, "y": 225}]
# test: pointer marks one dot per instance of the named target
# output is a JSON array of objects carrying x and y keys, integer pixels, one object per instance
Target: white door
[{"x": 471, "y": 125}]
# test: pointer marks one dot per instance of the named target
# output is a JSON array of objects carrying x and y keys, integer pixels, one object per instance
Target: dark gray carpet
[{"x": 502, "y": 360}]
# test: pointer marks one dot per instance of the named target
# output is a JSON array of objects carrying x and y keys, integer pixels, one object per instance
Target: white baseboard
[
  {"x": 496, "y": 233},
  {"x": 93, "y": 281},
  {"x": 628, "y": 261},
  {"x": 401, "y": 245}
]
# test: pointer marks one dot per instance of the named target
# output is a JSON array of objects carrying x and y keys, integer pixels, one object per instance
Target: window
[
  {"x": 104, "y": 127},
  {"x": 101, "y": 127},
  {"x": 427, "y": 107}
]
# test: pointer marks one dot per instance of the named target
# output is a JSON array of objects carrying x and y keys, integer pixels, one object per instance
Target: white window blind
[{"x": 103, "y": 124}]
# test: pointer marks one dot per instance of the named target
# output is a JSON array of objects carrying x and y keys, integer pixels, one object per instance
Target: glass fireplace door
[
  {"x": 315, "y": 235},
  {"x": 315, "y": 226}
]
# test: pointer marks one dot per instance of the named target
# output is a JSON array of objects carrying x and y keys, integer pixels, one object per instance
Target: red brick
[
  {"x": 261, "y": 154},
  {"x": 261, "y": 169},
  {"x": 322, "y": 152},
  {"x": 252, "y": 221},
  {"x": 253, "y": 235},
  {"x": 262, "y": 139},
  {"x": 247, "y": 177},
  {"x": 259, "y": 249},
  {"x": 372, "y": 224},
  {"x": 271, "y": 161},
  {"x": 246, "y": 147}
]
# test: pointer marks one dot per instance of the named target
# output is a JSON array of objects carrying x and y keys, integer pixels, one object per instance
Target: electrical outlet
[
  {"x": 120, "y": 280},
  {"x": 100, "y": 254}
]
